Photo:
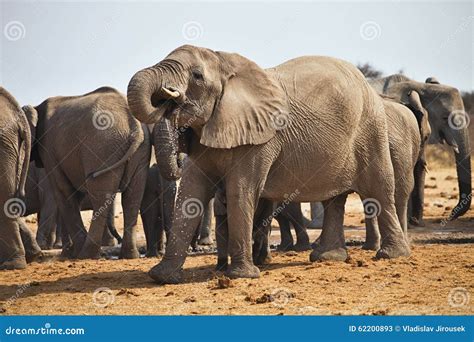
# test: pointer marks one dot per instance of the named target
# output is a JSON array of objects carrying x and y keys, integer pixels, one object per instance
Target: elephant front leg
[
  {"x": 194, "y": 191},
  {"x": 241, "y": 202},
  {"x": 372, "y": 235},
  {"x": 331, "y": 245}
]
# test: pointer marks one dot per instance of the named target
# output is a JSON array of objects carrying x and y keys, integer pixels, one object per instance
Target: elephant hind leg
[
  {"x": 295, "y": 215},
  {"x": 331, "y": 245}
]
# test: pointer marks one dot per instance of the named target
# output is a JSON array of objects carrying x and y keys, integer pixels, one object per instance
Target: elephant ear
[
  {"x": 32, "y": 116},
  {"x": 250, "y": 101},
  {"x": 432, "y": 80},
  {"x": 414, "y": 103}
]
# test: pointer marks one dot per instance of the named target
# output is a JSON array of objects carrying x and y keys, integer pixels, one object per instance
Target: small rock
[
  {"x": 431, "y": 186},
  {"x": 443, "y": 194},
  {"x": 432, "y": 178},
  {"x": 191, "y": 299},
  {"x": 449, "y": 178},
  {"x": 171, "y": 293}
]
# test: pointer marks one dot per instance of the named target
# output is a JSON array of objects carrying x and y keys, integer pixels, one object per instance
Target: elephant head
[
  {"x": 448, "y": 121},
  {"x": 225, "y": 99}
]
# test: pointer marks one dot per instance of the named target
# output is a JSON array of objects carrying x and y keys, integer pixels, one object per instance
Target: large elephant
[
  {"x": 267, "y": 134},
  {"x": 15, "y": 148},
  {"x": 409, "y": 132},
  {"x": 40, "y": 200},
  {"x": 91, "y": 144},
  {"x": 448, "y": 124}
]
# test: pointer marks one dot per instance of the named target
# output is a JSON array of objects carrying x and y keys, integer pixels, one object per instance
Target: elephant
[
  {"x": 90, "y": 144},
  {"x": 264, "y": 133},
  {"x": 40, "y": 200},
  {"x": 448, "y": 124},
  {"x": 410, "y": 130},
  {"x": 15, "y": 149},
  {"x": 156, "y": 210}
]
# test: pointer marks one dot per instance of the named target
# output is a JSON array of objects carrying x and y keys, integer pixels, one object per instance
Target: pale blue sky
[{"x": 57, "y": 48}]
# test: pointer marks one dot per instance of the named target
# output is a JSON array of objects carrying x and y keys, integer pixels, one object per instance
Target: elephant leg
[
  {"x": 69, "y": 211},
  {"x": 111, "y": 232},
  {"x": 331, "y": 244},
  {"x": 195, "y": 190},
  {"x": 168, "y": 205},
  {"x": 47, "y": 216},
  {"x": 131, "y": 200},
  {"x": 286, "y": 243},
  {"x": 12, "y": 252},
  {"x": 32, "y": 250},
  {"x": 295, "y": 216},
  {"x": 205, "y": 228},
  {"x": 152, "y": 222},
  {"x": 58, "y": 241},
  {"x": 317, "y": 215},
  {"x": 418, "y": 194},
  {"x": 222, "y": 240},
  {"x": 372, "y": 234},
  {"x": 261, "y": 232},
  {"x": 101, "y": 202}
]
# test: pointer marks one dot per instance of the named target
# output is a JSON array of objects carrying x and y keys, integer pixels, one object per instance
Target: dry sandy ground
[{"x": 437, "y": 279}]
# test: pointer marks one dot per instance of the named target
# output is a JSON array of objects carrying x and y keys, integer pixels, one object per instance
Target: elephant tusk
[{"x": 172, "y": 94}]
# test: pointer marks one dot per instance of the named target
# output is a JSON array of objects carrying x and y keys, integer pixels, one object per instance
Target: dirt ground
[{"x": 437, "y": 279}]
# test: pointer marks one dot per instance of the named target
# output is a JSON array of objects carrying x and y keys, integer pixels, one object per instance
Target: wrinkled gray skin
[
  {"x": 40, "y": 200},
  {"x": 156, "y": 210},
  {"x": 15, "y": 147},
  {"x": 409, "y": 132},
  {"x": 91, "y": 144},
  {"x": 440, "y": 101},
  {"x": 233, "y": 109}
]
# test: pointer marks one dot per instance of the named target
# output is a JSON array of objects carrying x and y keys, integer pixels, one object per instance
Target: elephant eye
[{"x": 197, "y": 75}]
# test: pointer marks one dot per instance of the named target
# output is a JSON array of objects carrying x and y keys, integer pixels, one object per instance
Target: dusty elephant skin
[
  {"x": 91, "y": 144},
  {"x": 442, "y": 102},
  {"x": 263, "y": 132},
  {"x": 15, "y": 147}
]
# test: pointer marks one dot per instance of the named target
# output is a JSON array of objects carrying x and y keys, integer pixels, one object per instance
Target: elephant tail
[{"x": 136, "y": 137}]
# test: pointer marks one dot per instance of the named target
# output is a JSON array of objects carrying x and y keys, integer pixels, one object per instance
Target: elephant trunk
[
  {"x": 165, "y": 137},
  {"x": 463, "y": 169},
  {"x": 141, "y": 89},
  {"x": 25, "y": 134}
]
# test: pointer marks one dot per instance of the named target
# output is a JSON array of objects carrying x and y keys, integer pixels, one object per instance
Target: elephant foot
[
  {"x": 129, "y": 253},
  {"x": 58, "y": 245},
  {"x": 302, "y": 246},
  {"x": 89, "y": 251},
  {"x": 264, "y": 258},
  {"x": 205, "y": 241},
  {"x": 44, "y": 245},
  {"x": 416, "y": 221},
  {"x": 108, "y": 241},
  {"x": 371, "y": 245},
  {"x": 222, "y": 264},
  {"x": 17, "y": 263},
  {"x": 33, "y": 256},
  {"x": 151, "y": 253},
  {"x": 285, "y": 247},
  {"x": 394, "y": 250},
  {"x": 337, "y": 254},
  {"x": 166, "y": 273},
  {"x": 242, "y": 270}
]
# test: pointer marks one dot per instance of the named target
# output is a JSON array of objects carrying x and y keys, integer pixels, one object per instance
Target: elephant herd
[{"x": 258, "y": 141}]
